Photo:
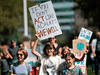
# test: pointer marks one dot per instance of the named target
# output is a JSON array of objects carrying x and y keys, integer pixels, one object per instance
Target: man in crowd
[
  {"x": 95, "y": 47},
  {"x": 13, "y": 50}
]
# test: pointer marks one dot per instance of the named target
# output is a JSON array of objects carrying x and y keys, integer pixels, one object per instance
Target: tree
[
  {"x": 11, "y": 16},
  {"x": 90, "y": 11}
]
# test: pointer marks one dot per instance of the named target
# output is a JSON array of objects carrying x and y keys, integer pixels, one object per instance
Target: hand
[
  {"x": 86, "y": 51},
  {"x": 94, "y": 54},
  {"x": 37, "y": 35}
]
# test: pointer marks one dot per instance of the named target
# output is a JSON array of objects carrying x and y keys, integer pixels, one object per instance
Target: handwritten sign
[
  {"x": 45, "y": 20},
  {"x": 85, "y": 34},
  {"x": 81, "y": 64},
  {"x": 79, "y": 45}
]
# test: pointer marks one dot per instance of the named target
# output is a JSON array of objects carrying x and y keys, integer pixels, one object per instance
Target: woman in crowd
[
  {"x": 53, "y": 40},
  {"x": 21, "y": 68},
  {"x": 49, "y": 62}
]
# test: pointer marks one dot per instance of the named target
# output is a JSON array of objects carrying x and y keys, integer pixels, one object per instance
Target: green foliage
[
  {"x": 90, "y": 11},
  {"x": 11, "y": 17}
]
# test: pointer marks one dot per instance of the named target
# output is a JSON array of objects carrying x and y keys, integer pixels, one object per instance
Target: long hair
[{"x": 48, "y": 45}]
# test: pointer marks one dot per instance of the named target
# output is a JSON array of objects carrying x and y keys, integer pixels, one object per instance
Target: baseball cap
[{"x": 13, "y": 41}]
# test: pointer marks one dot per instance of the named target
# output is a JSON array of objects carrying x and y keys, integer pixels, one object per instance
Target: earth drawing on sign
[{"x": 80, "y": 46}]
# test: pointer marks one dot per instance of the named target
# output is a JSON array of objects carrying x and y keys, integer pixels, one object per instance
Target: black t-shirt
[
  {"x": 4, "y": 64},
  {"x": 98, "y": 45}
]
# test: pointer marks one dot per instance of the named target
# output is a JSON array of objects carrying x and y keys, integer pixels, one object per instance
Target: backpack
[{"x": 15, "y": 64}]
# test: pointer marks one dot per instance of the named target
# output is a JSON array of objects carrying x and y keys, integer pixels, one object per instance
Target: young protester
[
  {"x": 71, "y": 69},
  {"x": 4, "y": 57},
  {"x": 66, "y": 50},
  {"x": 21, "y": 67},
  {"x": 53, "y": 40},
  {"x": 49, "y": 62}
]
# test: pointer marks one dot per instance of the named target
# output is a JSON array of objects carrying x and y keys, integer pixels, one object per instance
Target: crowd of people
[{"x": 53, "y": 60}]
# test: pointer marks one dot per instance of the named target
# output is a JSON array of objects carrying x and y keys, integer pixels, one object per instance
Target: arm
[
  {"x": 30, "y": 73},
  {"x": 11, "y": 73},
  {"x": 59, "y": 52},
  {"x": 92, "y": 48},
  {"x": 35, "y": 44},
  {"x": 81, "y": 59}
]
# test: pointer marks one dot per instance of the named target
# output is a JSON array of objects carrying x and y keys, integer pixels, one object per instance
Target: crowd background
[{"x": 11, "y": 24}]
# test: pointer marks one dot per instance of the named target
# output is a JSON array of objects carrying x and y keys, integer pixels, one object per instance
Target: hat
[{"x": 13, "y": 41}]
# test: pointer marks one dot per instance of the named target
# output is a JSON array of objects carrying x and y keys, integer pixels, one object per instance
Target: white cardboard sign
[
  {"x": 45, "y": 20},
  {"x": 85, "y": 34}
]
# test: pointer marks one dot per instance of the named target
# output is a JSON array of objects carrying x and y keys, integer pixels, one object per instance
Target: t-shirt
[
  {"x": 48, "y": 65},
  {"x": 75, "y": 71},
  {"x": 61, "y": 67},
  {"x": 4, "y": 64},
  {"x": 13, "y": 52},
  {"x": 20, "y": 69}
]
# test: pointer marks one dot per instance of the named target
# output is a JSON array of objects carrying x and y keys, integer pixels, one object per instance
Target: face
[
  {"x": 14, "y": 44},
  {"x": 20, "y": 56},
  {"x": 49, "y": 51},
  {"x": 32, "y": 43},
  {"x": 66, "y": 51},
  {"x": 98, "y": 36},
  {"x": 52, "y": 39},
  {"x": 69, "y": 60},
  {"x": 21, "y": 46}
]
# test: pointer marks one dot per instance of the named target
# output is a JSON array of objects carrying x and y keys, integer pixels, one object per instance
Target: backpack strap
[{"x": 27, "y": 66}]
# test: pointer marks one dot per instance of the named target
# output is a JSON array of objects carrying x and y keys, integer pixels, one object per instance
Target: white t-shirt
[
  {"x": 21, "y": 69},
  {"x": 49, "y": 65}
]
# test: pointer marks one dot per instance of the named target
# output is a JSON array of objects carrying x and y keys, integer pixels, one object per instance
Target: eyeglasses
[{"x": 19, "y": 54}]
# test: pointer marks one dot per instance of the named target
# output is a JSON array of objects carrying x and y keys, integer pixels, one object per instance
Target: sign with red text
[
  {"x": 79, "y": 45},
  {"x": 45, "y": 20},
  {"x": 85, "y": 34}
]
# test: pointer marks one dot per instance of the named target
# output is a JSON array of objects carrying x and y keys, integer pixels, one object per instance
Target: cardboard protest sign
[
  {"x": 79, "y": 45},
  {"x": 45, "y": 20},
  {"x": 85, "y": 34}
]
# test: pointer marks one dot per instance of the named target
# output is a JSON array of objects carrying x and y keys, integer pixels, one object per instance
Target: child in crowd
[
  {"x": 21, "y": 68},
  {"x": 71, "y": 69},
  {"x": 4, "y": 57},
  {"x": 49, "y": 62},
  {"x": 66, "y": 50}
]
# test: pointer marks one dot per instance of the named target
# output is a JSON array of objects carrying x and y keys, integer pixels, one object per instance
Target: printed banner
[
  {"x": 79, "y": 45},
  {"x": 45, "y": 20},
  {"x": 85, "y": 34}
]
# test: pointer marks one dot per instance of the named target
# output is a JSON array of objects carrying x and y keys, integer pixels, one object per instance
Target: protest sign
[
  {"x": 85, "y": 34},
  {"x": 45, "y": 20},
  {"x": 79, "y": 45},
  {"x": 81, "y": 64}
]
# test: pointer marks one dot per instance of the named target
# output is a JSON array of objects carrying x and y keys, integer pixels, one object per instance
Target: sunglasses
[
  {"x": 52, "y": 38},
  {"x": 19, "y": 54}
]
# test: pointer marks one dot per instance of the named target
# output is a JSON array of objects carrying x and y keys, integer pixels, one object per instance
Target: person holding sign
[
  {"x": 71, "y": 69},
  {"x": 66, "y": 50},
  {"x": 96, "y": 53},
  {"x": 48, "y": 61}
]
